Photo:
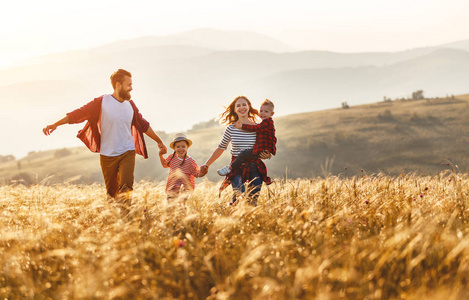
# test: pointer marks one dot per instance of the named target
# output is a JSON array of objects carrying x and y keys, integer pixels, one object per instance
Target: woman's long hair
[{"x": 229, "y": 116}]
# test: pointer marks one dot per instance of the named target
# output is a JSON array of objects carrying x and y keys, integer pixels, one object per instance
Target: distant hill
[
  {"x": 201, "y": 71},
  {"x": 220, "y": 40},
  {"x": 459, "y": 45},
  {"x": 439, "y": 73},
  {"x": 395, "y": 137}
]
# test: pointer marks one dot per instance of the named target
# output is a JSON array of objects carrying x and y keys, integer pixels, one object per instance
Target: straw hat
[{"x": 180, "y": 137}]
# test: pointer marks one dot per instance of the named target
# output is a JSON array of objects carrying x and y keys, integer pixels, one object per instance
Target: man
[{"x": 115, "y": 130}]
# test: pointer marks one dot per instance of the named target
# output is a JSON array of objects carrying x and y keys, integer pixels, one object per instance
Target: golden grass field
[{"x": 365, "y": 237}]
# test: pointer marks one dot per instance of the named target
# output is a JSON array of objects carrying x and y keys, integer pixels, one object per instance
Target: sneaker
[{"x": 224, "y": 171}]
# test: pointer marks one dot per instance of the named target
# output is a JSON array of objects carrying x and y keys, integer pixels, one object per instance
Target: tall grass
[{"x": 369, "y": 237}]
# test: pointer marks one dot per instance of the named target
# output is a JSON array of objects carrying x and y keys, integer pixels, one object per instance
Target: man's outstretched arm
[{"x": 51, "y": 128}]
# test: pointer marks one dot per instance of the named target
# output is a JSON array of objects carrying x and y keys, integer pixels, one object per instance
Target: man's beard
[{"x": 124, "y": 95}]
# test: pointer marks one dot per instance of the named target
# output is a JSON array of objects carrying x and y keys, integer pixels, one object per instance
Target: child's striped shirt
[{"x": 181, "y": 175}]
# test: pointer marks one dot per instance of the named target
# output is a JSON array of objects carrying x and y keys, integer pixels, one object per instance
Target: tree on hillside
[
  {"x": 62, "y": 153},
  {"x": 418, "y": 95},
  {"x": 6, "y": 158},
  {"x": 385, "y": 99},
  {"x": 208, "y": 124},
  {"x": 345, "y": 105},
  {"x": 386, "y": 116}
]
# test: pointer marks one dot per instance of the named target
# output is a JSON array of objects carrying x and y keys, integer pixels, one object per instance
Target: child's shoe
[{"x": 224, "y": 171}]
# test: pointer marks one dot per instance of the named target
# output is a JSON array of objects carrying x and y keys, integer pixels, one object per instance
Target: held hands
[
  {"x": 238, "y": 124},
  {"x": 163, "y": 149},
  {"x": 203, "y": 170}
]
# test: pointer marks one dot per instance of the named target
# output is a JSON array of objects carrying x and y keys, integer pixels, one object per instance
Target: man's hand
[
  {"x": 265, "y": 154},
  {"x": 238, "y": 124},
  {"x": 163, "y": 149},
  {"x": 49, "y": 129},
  {"x": 203, "y": 170}
]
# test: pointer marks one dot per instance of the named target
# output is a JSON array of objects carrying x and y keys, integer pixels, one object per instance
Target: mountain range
[
  {"x": 425, "y": 137},
  {"x": 195, "y": 74}
]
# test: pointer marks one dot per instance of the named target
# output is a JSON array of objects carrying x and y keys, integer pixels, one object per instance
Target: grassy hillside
[
  {"x": 420, "y": 136},
  {"x": 396, "y": 137}
]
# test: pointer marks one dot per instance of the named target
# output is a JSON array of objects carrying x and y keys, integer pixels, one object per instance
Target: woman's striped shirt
[{"x": 240, "y": 140}]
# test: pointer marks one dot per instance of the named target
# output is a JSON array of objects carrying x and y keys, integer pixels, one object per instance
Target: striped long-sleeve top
[
  {"x": 240, "y": 140},
  {"x": 181, "y": 175}
]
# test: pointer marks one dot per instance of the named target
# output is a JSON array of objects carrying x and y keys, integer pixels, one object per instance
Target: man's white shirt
[{"x": 116, "y": 123}]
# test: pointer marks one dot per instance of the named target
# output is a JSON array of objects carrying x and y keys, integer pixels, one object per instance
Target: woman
[{"x": 253, "y": 172}]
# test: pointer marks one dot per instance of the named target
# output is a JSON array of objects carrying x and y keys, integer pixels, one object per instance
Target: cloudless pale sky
[{"x": 31, "y": 28}]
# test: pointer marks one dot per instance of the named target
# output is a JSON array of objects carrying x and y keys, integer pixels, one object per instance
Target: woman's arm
[
  {"x": 215, "y": 155},
  {"x": 226, "y": 139}
]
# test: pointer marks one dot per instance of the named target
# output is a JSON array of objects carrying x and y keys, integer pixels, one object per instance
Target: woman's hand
[
  {"x": 265, "y": 154},
  {"x": 215, "y": 155}
]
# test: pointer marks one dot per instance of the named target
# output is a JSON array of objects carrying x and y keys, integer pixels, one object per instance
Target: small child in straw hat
[{"x": 182, "y": 168}]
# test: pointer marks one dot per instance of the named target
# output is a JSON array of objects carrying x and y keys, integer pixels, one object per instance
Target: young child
[
  {"x": 182, "y": 168},
  {"x": 265, "y": 138}
]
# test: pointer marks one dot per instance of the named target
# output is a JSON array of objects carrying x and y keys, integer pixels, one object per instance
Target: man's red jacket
[{"x": 91, "y": 133}]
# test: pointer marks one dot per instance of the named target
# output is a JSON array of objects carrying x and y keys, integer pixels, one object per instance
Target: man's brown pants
[{"x": 118, "y": 172}]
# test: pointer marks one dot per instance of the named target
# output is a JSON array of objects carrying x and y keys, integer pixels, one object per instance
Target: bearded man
[{"x": 114, "y": 129}]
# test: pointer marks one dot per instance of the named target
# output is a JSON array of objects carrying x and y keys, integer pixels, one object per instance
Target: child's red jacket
[{"x": 265, "y": 138}]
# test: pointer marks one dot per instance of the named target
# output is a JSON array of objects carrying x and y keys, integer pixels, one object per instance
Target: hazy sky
[{"x": 31, "y": 28}]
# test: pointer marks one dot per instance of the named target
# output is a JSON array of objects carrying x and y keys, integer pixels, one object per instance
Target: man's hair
[
  {"x": 268, "y": 103},
  {"x": 118, "y": 76}
]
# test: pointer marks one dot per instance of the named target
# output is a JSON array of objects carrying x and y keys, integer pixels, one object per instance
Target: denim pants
[{"x": 254, "y": 187}]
